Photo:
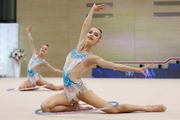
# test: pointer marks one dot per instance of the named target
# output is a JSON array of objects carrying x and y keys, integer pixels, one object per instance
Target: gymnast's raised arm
[
  {"x": 30, "y": 39},
  {"x": 107, "y": 64},
  {"x": 87, "y": 22}
]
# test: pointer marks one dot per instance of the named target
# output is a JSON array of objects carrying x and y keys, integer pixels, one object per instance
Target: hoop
[
  {"x": 30, "y": 88},
  {"x": 114, "y": 104}
]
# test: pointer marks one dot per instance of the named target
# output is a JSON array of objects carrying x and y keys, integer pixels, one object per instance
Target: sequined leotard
[
  {"x": 33, "y": 62},
  {"x": 71, "y": 88}
]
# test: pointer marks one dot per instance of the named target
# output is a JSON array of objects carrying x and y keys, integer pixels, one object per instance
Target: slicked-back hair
[
  {"x": 100, "y": 32},
  {"x": 46, "y": 45}
]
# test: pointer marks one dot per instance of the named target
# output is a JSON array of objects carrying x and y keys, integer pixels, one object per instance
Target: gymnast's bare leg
[
  {"x": 60, "y": 103},
  {"x": 27, "y": 85}
]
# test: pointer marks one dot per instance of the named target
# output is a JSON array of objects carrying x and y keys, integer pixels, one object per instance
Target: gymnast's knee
[
  {"x": 21, "y": 88},
  {"x": 45, "y": 107}
]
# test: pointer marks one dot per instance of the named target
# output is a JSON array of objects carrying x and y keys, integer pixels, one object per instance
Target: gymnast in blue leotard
[
  {"x": 79, "y": 61},
  {"x": 72, "y": 88},
  {"x": 35, "y": 63},
  {"x": 32, "y": 75}
]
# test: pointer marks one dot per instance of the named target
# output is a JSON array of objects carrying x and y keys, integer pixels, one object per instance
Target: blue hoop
[{"x": 39, "y": 112}]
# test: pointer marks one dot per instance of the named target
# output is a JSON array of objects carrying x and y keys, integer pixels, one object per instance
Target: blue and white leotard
[
  {"x": 71, "y": 88},
  {"x": 33, "y": 62}
]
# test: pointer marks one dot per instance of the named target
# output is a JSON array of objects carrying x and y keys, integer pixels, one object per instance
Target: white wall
[{"x": 8, "y": 41}]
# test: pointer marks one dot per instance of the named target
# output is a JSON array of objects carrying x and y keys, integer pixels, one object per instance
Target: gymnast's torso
[
  {"x": 33, "y": 66},
  {"x": 77, "y": 62}
]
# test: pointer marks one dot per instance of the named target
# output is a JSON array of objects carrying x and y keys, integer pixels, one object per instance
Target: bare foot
[
  {"x": 157, "y": 108},
  {"x": 79, "y": 107}
]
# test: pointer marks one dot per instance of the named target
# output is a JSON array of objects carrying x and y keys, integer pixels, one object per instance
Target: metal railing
[{"x": 149, "y": 62}]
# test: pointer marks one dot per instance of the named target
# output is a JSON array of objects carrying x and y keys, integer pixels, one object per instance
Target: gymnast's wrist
[{"x": 29, "y": 34}]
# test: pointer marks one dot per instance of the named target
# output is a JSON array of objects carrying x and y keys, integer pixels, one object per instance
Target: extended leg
[
  {"x": 92, "y": 99},
  {"x": 126, "y": 108},
  {"x": 52, "y": 87}
]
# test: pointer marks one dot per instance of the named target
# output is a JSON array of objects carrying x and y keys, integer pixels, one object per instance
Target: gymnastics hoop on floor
[
  {"x": 30, "y": 88},
  {"x": 114, "y": 104}
]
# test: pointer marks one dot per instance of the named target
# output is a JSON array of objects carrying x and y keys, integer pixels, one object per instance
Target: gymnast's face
[
  {"x": 44, "y": 49},
  {"x": 93, "y": 36}
]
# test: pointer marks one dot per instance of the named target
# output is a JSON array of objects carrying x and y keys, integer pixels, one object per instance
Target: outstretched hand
[
  {"x": 141, "y": 70},
  {"x": 29, "y": 28},
  {"x": 99, "y": 7}
]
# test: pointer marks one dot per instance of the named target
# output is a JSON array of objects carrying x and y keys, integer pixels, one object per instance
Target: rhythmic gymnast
[
  {"x": 77, "y": 62},
  {"x": 35, "y": 63}
]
